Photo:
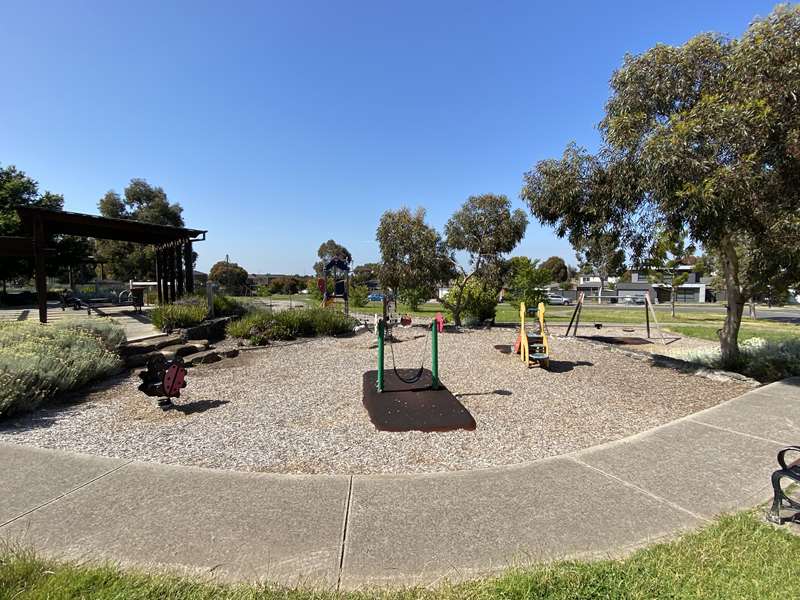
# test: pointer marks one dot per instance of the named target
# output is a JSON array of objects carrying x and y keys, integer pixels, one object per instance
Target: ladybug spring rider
[{"x": 163, "y": 379}]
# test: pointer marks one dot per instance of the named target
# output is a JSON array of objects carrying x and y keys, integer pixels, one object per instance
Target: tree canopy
[
  {"x": 17, "y": 189},
  {"x": 328, "y": 251},
  {"x": 141, "y": 202},
  {"x": 485, "y": 228},
  {"x": 414, "y": 257},
  {"x": 558, "y": 268},
  {"x": 230, "y": 276},
  {"x": 703, "y": 137}
]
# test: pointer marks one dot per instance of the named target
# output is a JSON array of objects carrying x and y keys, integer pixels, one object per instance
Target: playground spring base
[{"x": 413, "y": 406}]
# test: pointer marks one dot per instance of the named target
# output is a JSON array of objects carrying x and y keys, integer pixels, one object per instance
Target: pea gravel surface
[{"x": 296, "y": 408}]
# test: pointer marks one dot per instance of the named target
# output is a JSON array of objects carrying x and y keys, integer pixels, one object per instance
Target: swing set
[
  {"x": 385, "y": 333},
  {"x": 648, "y": 312},
  {"x": 414, "y": 399}
]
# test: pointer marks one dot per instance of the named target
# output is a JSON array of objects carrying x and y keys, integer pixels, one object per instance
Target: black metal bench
[
  {"x": 133, "y": 297},
  {"x": 781, "y": 500}
]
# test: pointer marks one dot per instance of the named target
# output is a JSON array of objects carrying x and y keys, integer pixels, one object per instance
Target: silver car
[{"x": 558, "y": 300}]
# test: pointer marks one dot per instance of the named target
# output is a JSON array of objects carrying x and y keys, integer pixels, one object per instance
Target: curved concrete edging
[{"x": 350, "y": 531}]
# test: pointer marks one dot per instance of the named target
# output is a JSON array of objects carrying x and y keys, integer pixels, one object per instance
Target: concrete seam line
[
  {"x": 65, "y": 494},
  {"x": 642, "y": 490},
  {"x": 344, "y": 532},
  {"x": 742, "y": 433}
]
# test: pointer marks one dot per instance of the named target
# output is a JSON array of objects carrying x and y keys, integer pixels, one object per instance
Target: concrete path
[
  {"x": 137, "y": 325},
  {"x": 351, "y": 532}
]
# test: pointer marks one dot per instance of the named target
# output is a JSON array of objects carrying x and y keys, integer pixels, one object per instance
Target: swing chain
[{"x": 421, "y": 369}]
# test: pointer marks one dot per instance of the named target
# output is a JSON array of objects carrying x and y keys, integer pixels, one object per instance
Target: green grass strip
[{"x": 736, "y": 557}]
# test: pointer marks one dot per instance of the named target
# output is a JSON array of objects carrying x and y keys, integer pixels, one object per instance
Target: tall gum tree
[
  {"x": 703, "y": 137},
  {"x": 485, "y": 228}
]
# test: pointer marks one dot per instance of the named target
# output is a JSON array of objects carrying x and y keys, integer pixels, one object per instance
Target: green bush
[
  {"x": 192, "y": 311},
  {"x": 225, "y": 306},
  {"x": 479, "y": 301},
  {"x": 359, "y": 295},
  {"x": 38, "y": 362},
  {"x": 759, "y": 358},
  {"x": 263, "y": 326},
  {"x": 180, "y": 314},
  {"x": 106, "y": 330}
]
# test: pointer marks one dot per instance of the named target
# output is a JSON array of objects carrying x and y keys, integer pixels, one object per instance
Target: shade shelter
[{"x": 173, "y": 245}]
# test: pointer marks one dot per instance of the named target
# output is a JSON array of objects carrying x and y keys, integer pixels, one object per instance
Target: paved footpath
[
  {"x": 350, "y": 532},
  {"x": 137, "y": 326}
]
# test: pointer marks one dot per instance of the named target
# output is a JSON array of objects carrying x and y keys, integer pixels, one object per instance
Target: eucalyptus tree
[
  {"x": 703, "y": 137},
  {"x": 414, "y": 258},
  {"x": 485, "y": 228}
]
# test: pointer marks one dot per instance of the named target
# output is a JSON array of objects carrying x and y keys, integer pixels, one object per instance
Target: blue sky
[{"x": 280, "y": 125}]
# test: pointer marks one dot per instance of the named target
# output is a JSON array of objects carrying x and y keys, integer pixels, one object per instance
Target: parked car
[
  {"x": 375, "y": 297},
  {"x": 558, "y": 300}
]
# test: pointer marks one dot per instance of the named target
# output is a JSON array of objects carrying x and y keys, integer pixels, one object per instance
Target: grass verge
[
  {"x": 774, "y": 333},
  {"x": 736, "y": 557}
]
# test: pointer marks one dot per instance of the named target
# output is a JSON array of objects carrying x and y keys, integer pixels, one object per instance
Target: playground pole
[
  {"x": 435, "y": 355},
  {"x": 380, "y": 355}
]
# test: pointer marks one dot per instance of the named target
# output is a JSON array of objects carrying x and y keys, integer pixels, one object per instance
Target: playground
[{"x": 297, "y": 407}]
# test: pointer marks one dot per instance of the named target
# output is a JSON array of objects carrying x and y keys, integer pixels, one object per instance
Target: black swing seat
[{"x": 784, "y": 508}]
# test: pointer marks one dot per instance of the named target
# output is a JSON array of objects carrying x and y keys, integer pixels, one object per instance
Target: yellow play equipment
[{"x": 534, "y": 350}]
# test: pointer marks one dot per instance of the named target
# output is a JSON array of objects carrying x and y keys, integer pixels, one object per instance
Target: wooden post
[
  {"x": 210, "y": 298},
  {"x": 170, "y": 274},
  {"x": 159, "y": 275},
  {"x": 188, "y": 267},
  {"x": 41, "y": 276},
  {"x": 647, "y": 312},
  {"x": 179, "y": 269}
]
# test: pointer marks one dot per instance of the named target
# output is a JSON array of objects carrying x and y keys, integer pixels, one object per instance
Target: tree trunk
[
  {"x": 672, "y": 298},
  {"x": 456, "y": 308},
  {"x": 729, "y": 334}
]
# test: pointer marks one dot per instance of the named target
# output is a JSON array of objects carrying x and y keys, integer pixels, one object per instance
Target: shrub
[
  {"x": 263, "y": 326},
  {"x": 759, "y": 358},
  {"x": 38, "y": 362},
  {"x": 413, "y": 297},
  {"x": 191, "y": 311},
  {"x": 180, "y": 314},
  {"x": 479, "y": 302},
  {"x": 225, "y": 306},
  {"x": 106, "y": 330},
  {"x": 359, "y": 295}
]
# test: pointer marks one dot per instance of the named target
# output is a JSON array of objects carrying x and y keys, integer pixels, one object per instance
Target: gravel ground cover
[
  {"x": 296, "y": 408},
  {"x": 671, "y": 344}
]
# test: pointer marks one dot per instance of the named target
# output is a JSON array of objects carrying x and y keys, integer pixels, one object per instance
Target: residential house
[{"x": 696, "y": 288}]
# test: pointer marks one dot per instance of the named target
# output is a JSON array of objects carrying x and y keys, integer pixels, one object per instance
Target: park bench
[
  {"x": 788, "y": 471},
  {"x": 133, "y": 297}
]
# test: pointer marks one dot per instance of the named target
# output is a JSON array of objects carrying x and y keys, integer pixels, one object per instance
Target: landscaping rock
[
  {"x": 171, "y": 352},
  {"x": 202, "y": 358},
  {"x": 148, "y": 345},
  {"x": 139, "y": 360},
  {"x": 213, "y": 329}
]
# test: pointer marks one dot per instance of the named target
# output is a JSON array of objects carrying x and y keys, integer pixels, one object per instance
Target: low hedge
[
  {"x": 38, "y": 362},
  {"x": 263, "y": 326},
  {"x": 760, "y": 359},
  {"x": 192, "y": 311}
]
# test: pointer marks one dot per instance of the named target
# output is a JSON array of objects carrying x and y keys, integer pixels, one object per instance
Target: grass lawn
[
  {"x": 736, "y": 557},
  {"x": 774, "y": 332}
]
